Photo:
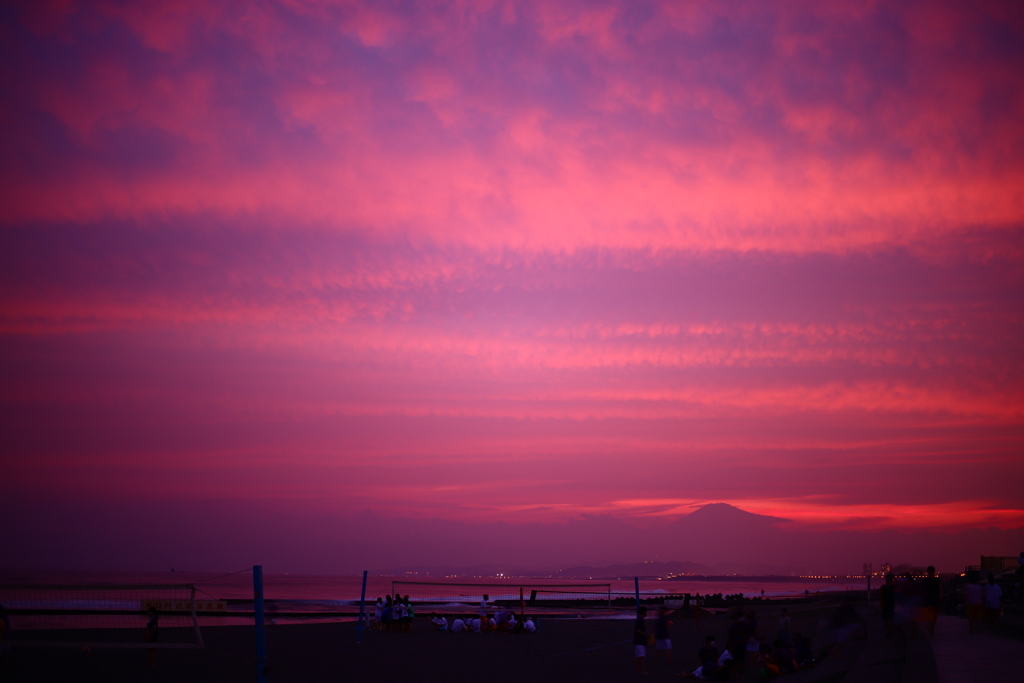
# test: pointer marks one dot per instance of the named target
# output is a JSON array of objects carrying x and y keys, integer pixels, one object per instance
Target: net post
[
  {"x": 362, "y": 612},
  {"x": 522, "y": 605},
  {"x": 261, "y": 640},
  {"x": 636, "y": 587},
  {"x": 609, "y": 595},
  {"x": 195, "y": 618}
]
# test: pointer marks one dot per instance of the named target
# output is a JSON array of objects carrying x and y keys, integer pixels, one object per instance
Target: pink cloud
[
  {"x": 517, "y": 261},
  {"x": 658, "y": 152}
]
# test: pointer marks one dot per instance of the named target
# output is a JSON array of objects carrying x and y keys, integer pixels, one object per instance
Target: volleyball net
[
  {"x": 451, "y": 594},
  {"x": 105, "y": 616}
]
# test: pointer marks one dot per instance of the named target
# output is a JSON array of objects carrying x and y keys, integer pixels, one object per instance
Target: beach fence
[
  {"x": 452, "y": 595},
  {"x": 88, "y": 616}
]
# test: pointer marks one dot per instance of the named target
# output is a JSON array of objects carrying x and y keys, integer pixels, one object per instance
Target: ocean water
[{"x": 305, "y": 598}]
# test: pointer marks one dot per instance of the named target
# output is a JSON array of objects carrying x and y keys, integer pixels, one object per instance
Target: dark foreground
[{"x": 565, "y": 650}]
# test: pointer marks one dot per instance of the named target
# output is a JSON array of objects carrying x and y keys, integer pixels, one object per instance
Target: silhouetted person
[
  {"x": 993, "y": 601},
  {"x": 931, "y": 600},
  {"x": 5, "y": 628},
  {"x": 152, "y": 633},
  {"x": 708, "y": 657},
  {"x": 784, "y": 625},
  {"x": 662, "y": 640},
  {"x": 974, "y": 601},
  {"x": 887, "y": 598},
  {"x": 640, "y": 639},
  {"x": 843, "y": 622},
  {"x": 736, "y": 641}
]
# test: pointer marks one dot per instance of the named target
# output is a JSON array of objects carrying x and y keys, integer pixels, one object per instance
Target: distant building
[
  {"x": 886, "y": 568},
  {"x": 997, "y": 564}
]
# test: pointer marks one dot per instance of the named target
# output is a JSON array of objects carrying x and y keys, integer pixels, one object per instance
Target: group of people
[
  {"x": 393, "y": 614},
  {"x": 922, "y": 600},
  {"x": 397, "y": 614},
  {"x": 744, "y": 645},
  {"x": 502, "y": 621},
  {"x": 983, "y": 602},
  {"x": 917, "y": 600}
]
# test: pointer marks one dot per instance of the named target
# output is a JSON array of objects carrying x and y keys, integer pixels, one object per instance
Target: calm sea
[{"x": 328, "y": 597}]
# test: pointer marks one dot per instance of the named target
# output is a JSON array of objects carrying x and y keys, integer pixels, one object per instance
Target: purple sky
[{"x": 511, "y": 263}]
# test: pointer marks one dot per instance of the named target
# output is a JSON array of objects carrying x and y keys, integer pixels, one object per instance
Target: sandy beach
[{"x": 564, "y": 650}]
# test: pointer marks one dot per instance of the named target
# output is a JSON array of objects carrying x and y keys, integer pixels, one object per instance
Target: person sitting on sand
[
  {"x": 505, "y": 620},
  {"x": 710, "y": 668},
  {"x": 708, "y": 656},
  {"x": 458, "y": 625},
  {"x": 778, "y": 662},
  {"x": 475, "y": 625},
  {"x": 529, "y": 625},
  {"x": 439, "y": 622},
  {"x": 765, "y": 651},
  {"x": 804, "y": 655}
]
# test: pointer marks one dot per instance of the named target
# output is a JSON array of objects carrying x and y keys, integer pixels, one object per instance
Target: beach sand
[{"x": 565, "y": 650}]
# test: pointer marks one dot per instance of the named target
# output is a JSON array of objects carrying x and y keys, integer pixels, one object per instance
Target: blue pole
[
  {"x": 261, "y": 639},
  {"x": 362, "y": 611},
  {"x": 636, "y": 586}
]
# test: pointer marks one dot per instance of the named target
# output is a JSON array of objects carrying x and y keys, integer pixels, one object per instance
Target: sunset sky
[{"x": 514, "y": 261}]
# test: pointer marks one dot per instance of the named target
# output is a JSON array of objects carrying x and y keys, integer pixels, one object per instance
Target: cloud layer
[{"x": 517, "y": 261}]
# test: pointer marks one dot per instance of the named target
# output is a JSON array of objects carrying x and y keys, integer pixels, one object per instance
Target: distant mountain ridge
[
  {"x": 719, "y": 513},
  {"x": 688, "y": 535}
]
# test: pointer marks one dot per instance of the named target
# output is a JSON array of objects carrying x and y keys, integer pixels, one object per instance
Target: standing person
[
  {"x": 784, "y": 626},
  {"x": 736, "y": 641},
  {"x": 974, "y": 601},
  {"x": 378, "y": 611},
  {"x": 931, "y": 600},
  {"x": 993, "y": 601},
  {"x": 5, "y": 627},
  {"x": 662, "y": 641},
  {"x": 385, "y": 614},
  {"x": 410, "y": 613},
  {"x": 483, "y": 606},
  {"x": 887, "y": 598},
  {"x": 152, "y": 633},
  {"x": 640, "y": 639}
]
